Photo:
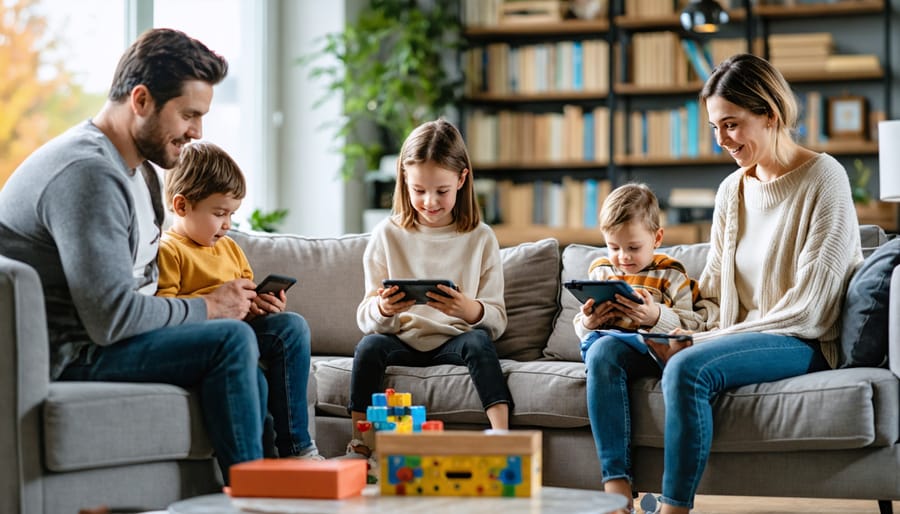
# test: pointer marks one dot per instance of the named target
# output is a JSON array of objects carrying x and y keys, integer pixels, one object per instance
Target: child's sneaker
[
  {"x": 311, "y": 452},
  {"x": 356, "y": 449}
]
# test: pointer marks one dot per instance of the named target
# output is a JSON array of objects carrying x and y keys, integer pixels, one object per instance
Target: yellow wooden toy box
[{"x": 460, "y": 463}]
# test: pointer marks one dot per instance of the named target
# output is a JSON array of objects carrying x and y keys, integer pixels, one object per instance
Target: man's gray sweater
[{"x": 68, "y": 212}]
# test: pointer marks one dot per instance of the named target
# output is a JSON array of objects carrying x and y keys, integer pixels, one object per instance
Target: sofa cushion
[
  {"x": 96, "y": 424},
  {"x": 576, "y": 258},
  {"x": 330, "y": 282},
  {"x": 531, "y": 277},
  {"x": 829, "y": 410},
  {"x": 864, "y": 321},
  {"x": 546, "y": 394}
]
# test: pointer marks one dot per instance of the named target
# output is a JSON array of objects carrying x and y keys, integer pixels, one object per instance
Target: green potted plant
[{"x": 389, "y": 68}]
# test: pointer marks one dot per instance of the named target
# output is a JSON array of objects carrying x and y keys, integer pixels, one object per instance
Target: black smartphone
[
  {"x": 415, "y": 289},
  {"x": 601, "y": 290},
  {"x": 274, "y": 283}
]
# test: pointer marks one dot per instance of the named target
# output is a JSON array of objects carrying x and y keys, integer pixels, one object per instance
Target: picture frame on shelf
[{"x": 848, "y": 117}]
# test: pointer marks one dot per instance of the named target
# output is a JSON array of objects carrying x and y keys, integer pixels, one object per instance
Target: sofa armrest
[
  {"x": 893, "y": 334},
  {"x": 24, "y": 382}
]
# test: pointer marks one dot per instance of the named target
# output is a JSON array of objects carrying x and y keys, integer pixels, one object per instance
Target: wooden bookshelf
[
  {"x": 623, "y": 88},
  {"x": 511, "y": 235},
  {"x": 539, "y": 165}
]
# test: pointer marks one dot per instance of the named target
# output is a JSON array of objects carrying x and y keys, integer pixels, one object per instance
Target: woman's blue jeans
[
  {"x": 691, "y": 381},
  {"x": 474, "y": 349},
  {"x": 221, "y": 360}
]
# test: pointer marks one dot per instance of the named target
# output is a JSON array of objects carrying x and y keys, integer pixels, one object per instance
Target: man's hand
[
  {"x": 267, "y": 303},
  {"x": 230, "y": 300}
]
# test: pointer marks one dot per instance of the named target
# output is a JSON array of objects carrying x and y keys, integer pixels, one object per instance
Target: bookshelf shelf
[
  {"x": 637, "y": 161},
  {"x": 556, "y": 96},
  {"x": 627, "y": 89},
  {"x": 841, "y": 8},
  {"x": 562, "y": 28},
  {"x": 664, "y": 22},
  {"x": 833, "y": 76},
  {"x": 551, "y": 166},
  {"x": 511, "y": 235}
]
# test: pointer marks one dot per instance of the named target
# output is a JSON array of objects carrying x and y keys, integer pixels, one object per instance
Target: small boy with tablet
[
  {"x": 629, "y": 220},
  {"x": 196, "y": 256}
]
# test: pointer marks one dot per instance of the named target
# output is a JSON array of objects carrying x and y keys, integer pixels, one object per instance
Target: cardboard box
[{"x": 295, "y": 478}]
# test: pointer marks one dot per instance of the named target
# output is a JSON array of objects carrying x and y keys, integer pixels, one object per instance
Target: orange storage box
[{"x": 293, "y": 478}]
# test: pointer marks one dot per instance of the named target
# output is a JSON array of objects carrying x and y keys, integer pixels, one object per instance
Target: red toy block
[{"x": 295, "y": 478}]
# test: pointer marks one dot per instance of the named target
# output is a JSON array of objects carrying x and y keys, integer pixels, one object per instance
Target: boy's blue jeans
[
  {"x": 221, "y": 360},
  {"x": 691, "y": 380},
  {"x": 474, "y": 349}
]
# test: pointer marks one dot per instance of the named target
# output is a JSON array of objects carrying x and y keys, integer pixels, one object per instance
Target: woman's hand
[
  {"x": 666, "y": 351},
  {"x": 596, "y": 316},
  {"x": 455, "y": 304},
  {"x": 391, "y": 301},
  {"x": 645, "y": 314}
]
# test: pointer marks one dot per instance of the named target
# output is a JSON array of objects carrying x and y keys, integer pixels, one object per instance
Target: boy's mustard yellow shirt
[{"x": 187, "y": 269}]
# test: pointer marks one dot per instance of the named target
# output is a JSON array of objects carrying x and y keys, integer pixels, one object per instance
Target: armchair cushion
[{"x": 864, "y": 320}]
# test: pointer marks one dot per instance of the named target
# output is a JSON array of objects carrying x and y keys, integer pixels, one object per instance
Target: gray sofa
[{"x": 72, "y": 445}]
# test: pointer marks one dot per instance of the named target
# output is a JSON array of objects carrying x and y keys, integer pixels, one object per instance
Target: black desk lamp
[{"x": 703, "y": 16}]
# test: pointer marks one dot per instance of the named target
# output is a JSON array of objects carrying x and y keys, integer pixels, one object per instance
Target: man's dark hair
[{"x": 163, "y": 60}]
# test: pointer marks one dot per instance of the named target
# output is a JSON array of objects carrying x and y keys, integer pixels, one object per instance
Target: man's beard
[{"x": 152, "y": 146}]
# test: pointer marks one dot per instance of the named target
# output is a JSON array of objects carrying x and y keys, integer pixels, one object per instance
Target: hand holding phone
[
  {"x": 273, "y": 283},
  {"x": 415, "y": 289}
]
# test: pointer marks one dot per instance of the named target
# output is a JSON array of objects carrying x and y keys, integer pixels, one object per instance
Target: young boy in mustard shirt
[{"x": 203, "y": 190}]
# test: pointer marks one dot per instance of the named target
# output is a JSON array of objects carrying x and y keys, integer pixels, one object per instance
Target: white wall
[{"x": 320, "y": 203}]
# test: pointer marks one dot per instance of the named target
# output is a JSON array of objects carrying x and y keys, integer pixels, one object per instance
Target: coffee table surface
[{"x": 550, "y": 500}]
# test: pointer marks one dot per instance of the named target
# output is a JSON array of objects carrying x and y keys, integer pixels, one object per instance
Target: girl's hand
[
  {"x": 391, "y": 301},
  {"x": 455, "y": 304},
  {"x": 597, "y": 316},
  {"x": 645, "y": 314}
]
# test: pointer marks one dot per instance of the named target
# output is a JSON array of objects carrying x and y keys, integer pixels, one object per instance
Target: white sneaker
[{"x": 356, "y": 449}]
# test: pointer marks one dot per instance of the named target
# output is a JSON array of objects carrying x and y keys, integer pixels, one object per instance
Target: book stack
[
  {"x": 800, "y": 53},
  {"x": 689, "y": 205}
]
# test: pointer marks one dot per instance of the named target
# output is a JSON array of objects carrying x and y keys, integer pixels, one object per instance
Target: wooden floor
[{"x": 757, "y": 505}]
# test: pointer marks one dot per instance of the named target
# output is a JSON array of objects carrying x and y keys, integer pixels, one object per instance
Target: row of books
[
  {"x": 516, "y": 138},
  {"x": 569, "y": 202},
  {"x": 664, "y": 58},
  {"x": 683, "y": 132},
  {"x": 500, "y": 68}
]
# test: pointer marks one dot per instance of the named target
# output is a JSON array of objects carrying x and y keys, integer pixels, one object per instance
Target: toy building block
[
  {"x": 390, "y": 411},
  {"x": 297, "y": 478},
  {"x": 460, "y": 463}
]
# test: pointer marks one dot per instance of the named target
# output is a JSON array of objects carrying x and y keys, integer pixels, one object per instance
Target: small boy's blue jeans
[
  {"x": 473, "y": 349},
  {"x": 221, "y": 359},
  {"x": 691, "y": 381}
]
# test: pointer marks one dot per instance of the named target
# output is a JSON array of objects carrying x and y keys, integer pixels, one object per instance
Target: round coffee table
[{"x": 551, "y": 500}]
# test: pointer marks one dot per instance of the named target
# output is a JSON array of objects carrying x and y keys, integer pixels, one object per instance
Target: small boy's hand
[
  {"x": 456, "y": 304},
  {"x": 597, "y": 316},
  {"x": 646, "y": 314},
  {"x": 267, "y": 303},
  {"x": 391, "y": 301}
]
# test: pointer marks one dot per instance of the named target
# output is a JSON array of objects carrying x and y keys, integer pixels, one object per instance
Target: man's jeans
[
  {"x": 691, "y": 381},
  {"x": 474, "y": 349},
  {"x": 221, "y": 360}
]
